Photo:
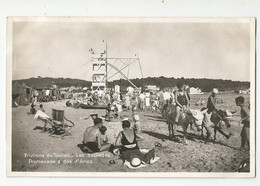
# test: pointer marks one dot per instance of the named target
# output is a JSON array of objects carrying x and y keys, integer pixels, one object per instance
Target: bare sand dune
[{"x": 29, "y": 145}]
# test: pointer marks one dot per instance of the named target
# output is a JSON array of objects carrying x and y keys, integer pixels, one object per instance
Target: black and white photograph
[{"x": 137, "y": 97}]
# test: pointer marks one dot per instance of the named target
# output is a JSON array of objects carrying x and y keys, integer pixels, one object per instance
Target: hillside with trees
[
  {"x": 61, "y": 82},
  {"x": 206, "y": 85}
]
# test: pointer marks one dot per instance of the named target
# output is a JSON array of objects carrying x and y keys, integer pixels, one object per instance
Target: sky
[{"x": 212, "y": 50}]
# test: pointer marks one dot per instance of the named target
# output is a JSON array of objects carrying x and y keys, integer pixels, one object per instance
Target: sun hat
[
  {"x": 136, "y": 117},
  {"x": 215, "y": 90},
  {"x": 135, "y": 162}
]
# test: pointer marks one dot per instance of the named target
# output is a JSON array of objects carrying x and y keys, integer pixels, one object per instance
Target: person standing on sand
[
  {"x": 127, "y": 101},
  {"x": 32, "y": 110},
  {"x": 245, "y": 119},
  {"x": 212, "y": 101},
  {"x": 142, "y": 98},
  {"x": 211, "y": 107},
  {"x": 137, "y": 125},
  {"x": 147, "y": 100}
]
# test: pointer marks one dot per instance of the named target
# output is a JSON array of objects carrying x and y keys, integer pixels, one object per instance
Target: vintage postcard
[{"x": 130, "y": 97}]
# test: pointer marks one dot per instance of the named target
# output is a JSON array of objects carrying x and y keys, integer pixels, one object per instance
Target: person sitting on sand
[
  {"x": 103, "y": 140},
  {"x": 245, "y": 119},
  {"x": 127, "y": 141},
  {"x": 91, "y": 138},
  {"x": 32, "y": 110},
  {"x": 41, "y": 108},
  {"x": 111, "y": 112}
]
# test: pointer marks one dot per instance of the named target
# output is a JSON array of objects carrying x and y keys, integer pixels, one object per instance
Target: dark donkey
[
  {"x": 185, "y": 119},
  {"x": 219, "y": 118}
]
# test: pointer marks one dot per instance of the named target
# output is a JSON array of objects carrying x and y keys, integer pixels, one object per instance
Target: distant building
[
  {"x": 193, "y": 90},
  {"x": 170, "y": 89},
  {"x": 247, "y": 91},
  {"x": 152, "y": 88}
]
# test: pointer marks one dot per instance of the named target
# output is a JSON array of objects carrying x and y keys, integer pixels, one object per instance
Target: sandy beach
[{"x": 36, "y": 151}]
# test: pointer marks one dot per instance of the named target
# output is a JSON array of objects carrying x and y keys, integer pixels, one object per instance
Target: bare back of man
[
  {"x": 91, "y": 134},
  {"x": 90, "y": 139}
]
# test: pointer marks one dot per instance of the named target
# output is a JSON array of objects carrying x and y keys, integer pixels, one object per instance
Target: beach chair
[{"x": 60, "y": 125}]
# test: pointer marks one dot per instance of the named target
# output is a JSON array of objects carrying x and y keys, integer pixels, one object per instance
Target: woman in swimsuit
[
  {"x": 181, "y": 100},
  {"x": 127, "y": 140}
]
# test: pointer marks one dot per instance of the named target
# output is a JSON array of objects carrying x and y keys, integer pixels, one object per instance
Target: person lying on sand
[
  {"x": 91, "y": 138},
  {"x": 127, "y": 141}
]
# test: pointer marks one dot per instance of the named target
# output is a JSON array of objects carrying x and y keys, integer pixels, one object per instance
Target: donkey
[
  {"x": 219, "y": 118},
  {"x": 186, "y": 117}
]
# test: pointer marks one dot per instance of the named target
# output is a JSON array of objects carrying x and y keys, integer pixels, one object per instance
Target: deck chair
[{"x": 60, "y": 125}]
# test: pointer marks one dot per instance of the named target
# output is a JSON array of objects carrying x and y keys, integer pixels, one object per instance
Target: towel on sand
[
  {"x": 143, "y": 164},
  {"x": 41, "y": 114}
]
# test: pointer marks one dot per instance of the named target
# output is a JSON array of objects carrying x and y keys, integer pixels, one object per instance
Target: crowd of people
[
  {"x": 127, "y": 139},
  {"x": 95, "y": 137}
]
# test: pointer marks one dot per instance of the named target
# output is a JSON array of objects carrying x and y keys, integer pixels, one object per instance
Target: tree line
[{"x": 204, "y": 84}]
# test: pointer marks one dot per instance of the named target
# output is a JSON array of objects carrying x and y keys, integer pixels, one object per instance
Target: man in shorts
[
  {"x": 245, "y": 120},
  {"x": 211, "y": 107},
  {"x": 91, "y": 135}
]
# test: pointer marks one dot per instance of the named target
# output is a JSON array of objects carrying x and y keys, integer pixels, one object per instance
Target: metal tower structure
[
  {"x": 99, "y": 69},
  {"x": 100, "y": 64}
]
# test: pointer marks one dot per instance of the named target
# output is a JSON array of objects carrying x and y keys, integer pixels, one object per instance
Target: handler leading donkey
[{"x": 218, "y": 120}]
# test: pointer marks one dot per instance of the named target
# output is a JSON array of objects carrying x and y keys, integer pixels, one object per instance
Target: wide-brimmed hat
[{"x": 135, "y": 162}]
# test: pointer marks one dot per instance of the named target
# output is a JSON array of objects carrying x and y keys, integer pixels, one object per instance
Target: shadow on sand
[
  {"x": 190, "y": 136},
  {"x": 161, "y": 136},
  {"x": 38, "y": 128},
  {"x": 194, "y": 137},
  {"x": 155, "y": 118}
]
